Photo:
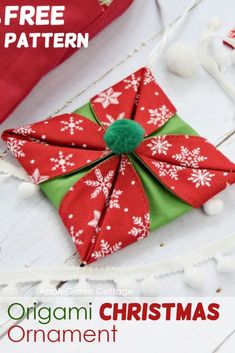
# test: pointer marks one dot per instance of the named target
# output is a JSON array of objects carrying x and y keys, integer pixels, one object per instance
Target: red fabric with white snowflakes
[
  {"x": 189, "y": 166},
  {"x": 107, "y": 209},
  {"x": 131, "y": 98},
  {"x": 57, "y": 146}
]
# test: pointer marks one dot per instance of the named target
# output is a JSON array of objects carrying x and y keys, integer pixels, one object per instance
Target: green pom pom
[{"x": 124, "y": 136}]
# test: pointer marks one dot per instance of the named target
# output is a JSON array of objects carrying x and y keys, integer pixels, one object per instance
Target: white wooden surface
[{"x": 31, "y": 233}]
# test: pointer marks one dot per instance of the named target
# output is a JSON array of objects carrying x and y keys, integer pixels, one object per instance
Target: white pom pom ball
[
  {"x": 27, "y": 190},
  {"x": 193, "y": 277},
  {"x": 182, "y": 60},
  {"x": 213, "y": 207},
  {"x": 214, "y": 24},
  {"x": 149, "y": 287},
  {"x": 225, "y": 264}
]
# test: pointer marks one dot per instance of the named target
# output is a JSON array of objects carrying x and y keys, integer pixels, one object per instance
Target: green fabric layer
[
  {"x": 87, "y": 112},
  {"x": 56, "y": 189},
  {"x": 164, "y": 206}
]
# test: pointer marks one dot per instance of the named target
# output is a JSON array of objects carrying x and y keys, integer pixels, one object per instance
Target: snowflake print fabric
[
  {"x": 102, "y": 184},
  {"x": 108, "y": 228},
  {"x": 189, "y": 157},
  {"x": 114, "y": 199},
  {"x": 111, "y": 120},
  {"x": 159, "y": 116},
  {"x": 108, "y": 199},
  {"x": 138, "y": 94},
  {"x": 41, "y": 148},
  {"x": 165, "y": 169},
  {"x": 133, "y": 82},
  {"x": 24, "y": 130},
  {"x": 15, "y": 146},
  {"x": 76, "y": 236},
  {"x": 106, "y": 249},
  {"x": 108, "y": 98},
  {"x": 140, "y": 227},
  {"x": 201, "y": 177},
  {"x": 72, "y": 125},
  {"x": 159, "y": 145},
  {"x": 37, "y": 178}
]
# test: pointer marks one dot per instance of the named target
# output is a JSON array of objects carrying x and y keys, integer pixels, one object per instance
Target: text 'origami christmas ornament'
[{"x": 121, "y": 165}]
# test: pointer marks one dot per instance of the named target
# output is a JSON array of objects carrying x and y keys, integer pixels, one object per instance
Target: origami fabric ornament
[
  {"x": 121, "y": 165},
  {"x": 22, "y": 68}
]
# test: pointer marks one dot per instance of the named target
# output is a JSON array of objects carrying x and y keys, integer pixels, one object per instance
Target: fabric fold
[
  {"x": 109, "y": 198},
  {"x": 56, "y": 146},
  {"x": 103, "y": 213},
  {"x": 136, "y": 97},
  {"x": 189, "y": 166}
]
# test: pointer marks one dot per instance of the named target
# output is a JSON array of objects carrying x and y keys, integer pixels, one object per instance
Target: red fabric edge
[{"x": 113, "y": 11}]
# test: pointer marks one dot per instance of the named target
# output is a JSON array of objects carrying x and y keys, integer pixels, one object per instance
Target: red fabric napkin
[{"x": 21, "y": 69}]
